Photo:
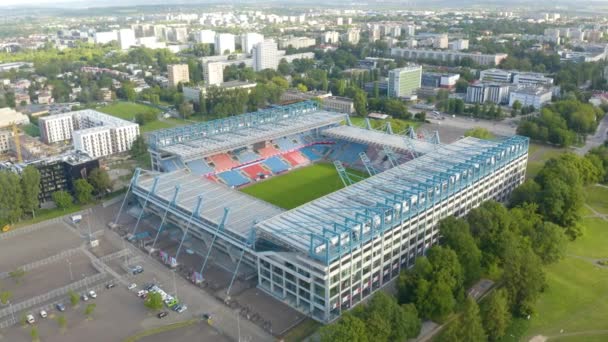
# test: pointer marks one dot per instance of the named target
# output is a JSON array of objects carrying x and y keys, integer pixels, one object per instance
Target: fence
[
  {"x": 43, "y": 262},
  {"x": 52, "y": 294},
  {"x": 36, "y": 226}
]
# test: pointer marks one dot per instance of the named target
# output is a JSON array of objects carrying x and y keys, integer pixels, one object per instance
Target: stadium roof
[
  {"x": 310, "y": 226},
  {"x": 217, "y": 136},
  {"x": 374, "y": 137},
  {"x": 244, "y": 209}
]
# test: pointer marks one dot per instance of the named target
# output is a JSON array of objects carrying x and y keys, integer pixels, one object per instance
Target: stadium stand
[
  {"x": 296, "y": 158},
  {"x": 254, "y": 171},
  {"x": 234, "y": 178},
  {"x": 246, "y": 156},
  {"x": 223, "y": 162},
  {"x": 276, "y": 165},
  {"x": 288, "y": 143},
  {"x": 268, "y": 151},
  {"x": 347, "y": 152},
  {"x": 315, "y": 152},
  {"x": 199, "y": 167}
]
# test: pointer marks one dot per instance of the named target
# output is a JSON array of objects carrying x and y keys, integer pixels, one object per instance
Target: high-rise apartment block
[
  {"x": 205, "y": 37},
  {"x": 56, "y": 128},
  {"x": 213, "y": 73},
  {"x": 178, "y": 73},
  {"x": 404, "y": 82},
  {"x": 224, "y": 42},
  {"x": 265, "y": 55},
  {"x": 249, "y": 40},
  {"x": 126, "y": 38}
]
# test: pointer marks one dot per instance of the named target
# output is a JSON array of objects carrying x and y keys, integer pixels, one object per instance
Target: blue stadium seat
[
  {"x": 287, "y": 143},
  {"x": 276, "y": 165},
  {"x": 234, "y": 178},
  {"x": 246, "y": 156},
  {"x": 168, "y": 165},
  {"x": 199, "y": 167},
  {"x": 312, "y": 153},
  {"x": 347, "y": 152}
]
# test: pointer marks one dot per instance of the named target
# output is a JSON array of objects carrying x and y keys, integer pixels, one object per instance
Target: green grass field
[
  {"x": 576, "y": 298},
  {"x": 128, "y": 110},
  {"x": 299, "y": 186},
  {"x": 538, "y": 155}
]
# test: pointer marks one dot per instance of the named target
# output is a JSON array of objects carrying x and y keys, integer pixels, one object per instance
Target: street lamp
[
  {"x": 70, "y": 268},
  {"x": 238, "y": 324},
  {"x": 86, "y": 285}
]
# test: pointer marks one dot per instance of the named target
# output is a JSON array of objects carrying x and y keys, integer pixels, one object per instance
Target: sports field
[
  {"x": 299, "y": 186},
  {"x": 128, "y": 110}
]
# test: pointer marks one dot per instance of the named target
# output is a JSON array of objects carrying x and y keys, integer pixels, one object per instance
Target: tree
[
  {"x": 154, "y": 301},
  {"x": 360, "y": 102},
  {"x": 516, "y": 105},
  {"x": 468, "y": 327},
  {"x": 495, "y": 314},
  {"x": 17, "y": 275},
  {"x": 11, "y": 197},
  {"x": 490, "y": 226},
  {"x": 408, "y": 321},
  {"x": 461, "y": 86},
  {"x": 88, "y": 311},
  {"x": 30, "y": 185},
  {"x": 83, "y": 190},
  {"x": 526, "y": 193},
  {"x": 74, "y": 299},
  {"x": 100, "y": 180},
  {"x": 479, "y": 132},
  {"x": 5, "y": 296},
  {"x": 523, "y": 277},
  {"x": 62, "y": 321},
  {"x": 348, "y": 329},
  {"x": 456, "y": 234},
  {"x": 62, "y": 199}
]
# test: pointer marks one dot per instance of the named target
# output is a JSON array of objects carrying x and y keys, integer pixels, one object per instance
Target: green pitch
[{"x": 299, "y": 186}]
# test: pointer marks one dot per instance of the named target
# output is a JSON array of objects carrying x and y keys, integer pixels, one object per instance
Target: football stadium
[{"x": 324, "y": 212}]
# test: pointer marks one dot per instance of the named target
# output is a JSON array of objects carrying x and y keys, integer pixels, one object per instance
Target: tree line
[{"x": 18, "y": 194}]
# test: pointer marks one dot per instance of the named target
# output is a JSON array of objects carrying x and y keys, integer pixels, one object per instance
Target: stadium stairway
[
  {"x": 234, "y": 178},
  {"x": 276, "y": 165},
  {"x": 199, "y": 167}
]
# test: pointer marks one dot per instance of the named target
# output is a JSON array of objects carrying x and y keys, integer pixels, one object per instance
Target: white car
[
  {"x": 92, "y": 294},
  {"x": 43, "y": 314},
  {"x": 131, "y": 286},
  {"x": 30, "y": 319},
  {"x": 182, "y": 308}
]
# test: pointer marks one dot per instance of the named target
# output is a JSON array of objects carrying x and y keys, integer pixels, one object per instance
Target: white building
[
  {"x": 126, "y": 38},
  {"x": 92, "y": 132},
  {"x": 178, "y": 73},
  {"x": 296, "y": 42},
  {"x": 331, "y": 37},
  {"x": 5, "y": 140},
  {"x": 265, "y": 55},
  {"x": 448, "y": 56},
  {"x": 352, "y": 36},
  {"x": 532, "y": 78},
  {"x": 410, "y": 30},
  {"x": 459, "y": 44},
  {"x": 224, "y": 42},
  {"x": 488, "y": 92},
  {"x": 249, "y": 40},
  {"x": 205, "y": 37},
  {"x": 476, "y": 93},
  {"x": 56, "y": 128},
  {"x": 8, "y": 116},
  {"x": 338, "y": 104},
  {"x": 105, "y": 37},
  {"x": 178, "y": 34},
  {"x": 213, "y": 73},
  {"x": 440, "y": 41},
  {"x": 495, "y": 75},
  {"x": 530, "y": 96}
]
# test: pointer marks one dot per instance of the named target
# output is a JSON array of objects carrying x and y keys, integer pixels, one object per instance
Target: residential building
[
  {"x": 338, "y": 104},
  {"x": 213, "y": 73},
  {"x": 352, "y": 36},
  {"x": 296, "y": 42},
  {"x": 403, "y": 82},
  {"x": 178, "y": 73},
  {"x": 439, "y": 80},
  {"x": 448, "y": 56},
  {"x": 105, "y": 37},
  {"x": 8, "y": 116},
  {"x": 205, "y": 37},
  {"x": 224, "y": 42},
  {"x": 249, "y": 40},
  {"x": 178, "y": 34},
  {"x": 410, "y": 30},
  {"x": 331, "y": 37},
  {"x": 530, "y": 96},
  {"x": 440, "y": 41},
  {"x": 56, "y": 128},
  {"x": 265, "y": 55},
  {"x": 459, "y": 44},
  {"x": 5, "y": 140},
  {"x": 339, "y": 21},
  {"x": 126, "y": 38}
]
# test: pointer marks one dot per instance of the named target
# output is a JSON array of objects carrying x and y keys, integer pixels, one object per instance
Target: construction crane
[{"x": 17, "y": 142}]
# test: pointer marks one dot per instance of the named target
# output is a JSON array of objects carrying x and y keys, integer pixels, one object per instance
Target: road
[{"x": 597, "y": 139}]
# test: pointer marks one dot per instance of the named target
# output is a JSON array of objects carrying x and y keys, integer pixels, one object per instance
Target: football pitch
[{"x": 299, "y": 186}]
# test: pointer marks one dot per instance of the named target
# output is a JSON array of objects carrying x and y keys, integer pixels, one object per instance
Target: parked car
[
  {"x": 149, "y": 287},
  {"x": 60, "y": 307},
  {"x": 137, "y": 270},
  {"x": 110, "y": 285},
  {"x": 162, "y": 314},
  {"x": 182, "y": 308},
  {"x": 131, "y": 286},
  {"x": 84, "y": 297},
  {"x": 43, "y": 314},
  {"x": 30, "y": 319},
  {"x": 92, "y": 294}
]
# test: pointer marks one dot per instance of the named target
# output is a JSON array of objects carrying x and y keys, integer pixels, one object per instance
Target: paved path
[{"x": 597, "y": 139}]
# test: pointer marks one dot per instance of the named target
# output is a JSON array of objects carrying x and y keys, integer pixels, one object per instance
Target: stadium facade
[{"x": 325, "y": 256}]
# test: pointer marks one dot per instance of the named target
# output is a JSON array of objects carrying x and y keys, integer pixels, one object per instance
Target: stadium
[{"x": 324, "y": 212}]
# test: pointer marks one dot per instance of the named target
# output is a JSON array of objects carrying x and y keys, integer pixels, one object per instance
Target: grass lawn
[
  {"x": 128, "y": 110},
  {"x": 31, "y": 130},
  {"x": 302, "y": 330},
  {"x": 594, "y": 242},
  {"x": 299, "y": 186},
  {"x": 398, "y": 125},
  {"x": 538, "y": 155},
  {"x": 597, "y": 197}
]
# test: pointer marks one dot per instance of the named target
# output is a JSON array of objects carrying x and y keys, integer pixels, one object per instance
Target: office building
[
  {"x": 530, "y": 96},
  {"x": 448, "y": 56},
  {"x": 296, "y": 42},
  {"x": 476, "y": 93},
  {"x": 126, "y": 38},
  {"x": 265, "y": 55},
  {"x": 56, "y": 128},
  {"x": 497, "y": 93},
  {"x": 249, "y": 40},
  {"x": 439, "y": 80},
  {"x": 403, "y": 82},
  {"x": 178, "y": 73},
  {"x": 459, "y": 44},
  {"x": 496, "y": 75},
  {"x": 213, "y": 73},
  {"x": 532, "y": 78},
  {"x": 205, "y": 37},
  {"x": 224, "y": 43}
]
